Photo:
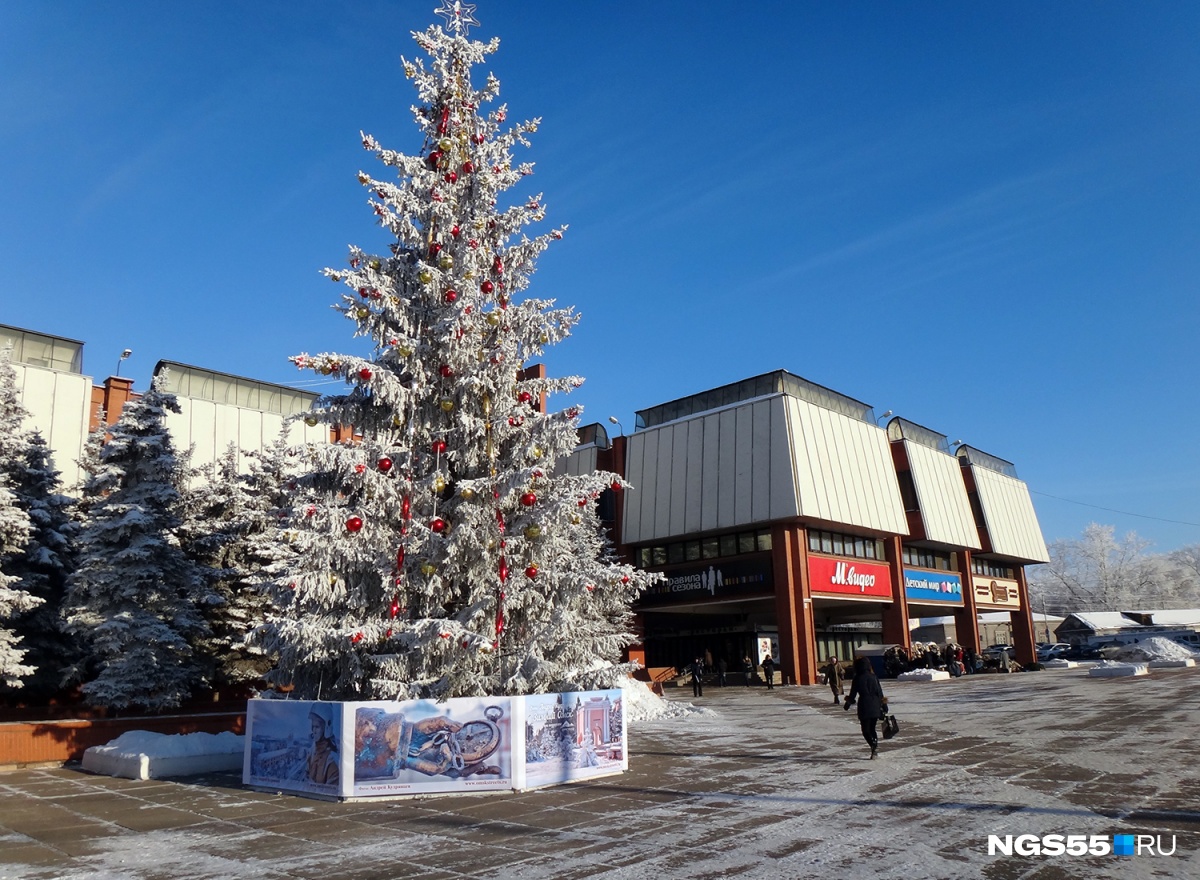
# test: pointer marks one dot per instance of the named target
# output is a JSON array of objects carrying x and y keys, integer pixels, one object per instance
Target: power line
[{"x": 1178, "y": 522}]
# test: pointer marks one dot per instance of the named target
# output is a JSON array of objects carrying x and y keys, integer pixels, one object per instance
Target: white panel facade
[
  {"x": 58, "y": 404},
  {"x": 208, "y": 428},
  {"x": 720, "y": 470},
  {"x": 1009, "y": 517},
  {"x": 580, "y": 461},
  {"x": 942, "y": 496},
  {"x": 844, "y": 470}
]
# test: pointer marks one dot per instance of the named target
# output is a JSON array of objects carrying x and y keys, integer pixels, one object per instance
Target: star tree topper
[{"x": 459, "y": 16}]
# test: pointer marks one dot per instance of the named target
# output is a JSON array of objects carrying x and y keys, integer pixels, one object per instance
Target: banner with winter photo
[
  {"x": 295, "y": 745},
  {"x": 423, "y": 746},
  {"x": 573, "y": 736}
]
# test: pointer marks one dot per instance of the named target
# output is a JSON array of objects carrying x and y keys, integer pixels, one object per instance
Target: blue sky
[{"x": 983, "y": 216}]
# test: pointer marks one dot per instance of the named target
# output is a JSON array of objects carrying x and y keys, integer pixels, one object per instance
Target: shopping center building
[{"x": 787, "y": 520}]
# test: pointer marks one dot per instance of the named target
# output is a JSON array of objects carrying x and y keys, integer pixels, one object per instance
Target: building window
[
  {"x": 820, "y": 541},
  {"x": 694, "y": 550},
  {"x": 922, "y": 557},
  {"x": 991, "y": 568}
]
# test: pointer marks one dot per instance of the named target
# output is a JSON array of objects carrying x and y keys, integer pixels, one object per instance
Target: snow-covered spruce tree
[
  {"x": 14, "y": 535},
  {"x": 135, "y": 599},
  {"x": 42, "y": 566},
  {"x": 445, "y": 553},
  {"x": 229, "y": 516}
]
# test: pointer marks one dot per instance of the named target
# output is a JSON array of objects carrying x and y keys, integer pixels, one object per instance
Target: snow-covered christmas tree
[
  {"x": 135, "y": 600},
  {"x": 446, "y": 552}
]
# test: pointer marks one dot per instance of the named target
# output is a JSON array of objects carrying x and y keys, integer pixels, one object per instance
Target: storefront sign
[
  {"x": 713, "y": 580},
  {"x": 849, "y": 577},
  {"x": 933, "y": 586},
  {"x": 997, "y": 591}
]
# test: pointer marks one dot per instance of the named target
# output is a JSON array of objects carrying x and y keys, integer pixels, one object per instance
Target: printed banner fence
[{"x": 391, "y": 749}]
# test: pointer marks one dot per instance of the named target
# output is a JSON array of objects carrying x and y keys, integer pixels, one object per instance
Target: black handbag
[{"x": 891, "y": 727}]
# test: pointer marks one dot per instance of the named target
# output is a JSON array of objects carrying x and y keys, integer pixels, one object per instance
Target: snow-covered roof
[{"x": 1098, "y": 620}]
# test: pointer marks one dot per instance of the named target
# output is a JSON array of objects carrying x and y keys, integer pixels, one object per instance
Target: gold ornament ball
[
  {"x": 375, "y": 264},
  {"x": 362, "y": 313},
  {"x": 446, "y": 404},
  {"x": 576, "y": 519},
  {"x": 428, "y": 568},
  {"x": 424, "y": 276},
  {"x": 445, "y": 261},
  {"x": 493, "y": 319},
  {"x": 404, "y": 351},
  {"x": 467, "y": 493},
  {"x": 439, "y": 484},
  {"x": 537, "y": 452},
  {"x": 445, "y": 144},
  {"x": 311, "y": 421},
  {"x": 532, "y": 532},
  {"x": 543, "y": 339}
]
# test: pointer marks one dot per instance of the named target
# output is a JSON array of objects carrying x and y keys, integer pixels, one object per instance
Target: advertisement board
[
  {"x": 720, "y": 578},
  {"x": 997, "y": 592},
  {"x": 386, "y": 748},
  {"x": 295, "y": 745},
  {"x": 942, "y": 587},
  {"x": 574, "y": 736},
  {"x": 850, "y": 577}
]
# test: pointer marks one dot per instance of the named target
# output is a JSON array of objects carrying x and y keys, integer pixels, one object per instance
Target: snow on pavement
[{"x": 739, "y": 783}]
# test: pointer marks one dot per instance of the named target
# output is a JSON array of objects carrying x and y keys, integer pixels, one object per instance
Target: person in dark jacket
[
  {"x": 866, "y": 691},
  {"x": 768, "y": 666},
  {"x": 697, "y": 674}
]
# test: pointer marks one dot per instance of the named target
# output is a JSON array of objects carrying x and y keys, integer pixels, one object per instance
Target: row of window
[
  {"x": 703, "y": 548},
  {"x": 992, "y": 569},
  {"x": 845, "y": 545},
  {"x": 922, "y": 557}
]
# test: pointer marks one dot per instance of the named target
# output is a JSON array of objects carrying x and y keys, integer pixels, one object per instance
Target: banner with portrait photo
[{"x": 295, "y": 745}]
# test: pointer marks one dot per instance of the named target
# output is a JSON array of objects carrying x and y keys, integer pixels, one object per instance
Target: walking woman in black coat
[{"x": 866, "y": 690}]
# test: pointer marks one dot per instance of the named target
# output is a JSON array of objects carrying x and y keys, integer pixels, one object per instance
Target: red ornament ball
[
  {"x": 524, "y": 397},
  {"x": 365, "y": 374},
  {"x": 439, "y": 525},
  {"x": 446, "y": 371},
  {"x": 616, "y": 486},
  {"x": 438, "y": 447},
  {"x": 487, "y": 287},
  {"x": 450, "y": 177},
  {"x": 455, "y": 232},
  {"x": 384, "y": 464},
  {"x": 468, "y": 167},
  {"x": 529, "y": 499},
  {"x": 450, "y": 296},
  {"x": 354, "y": 524},
  {"x": 531, "y": 572}
]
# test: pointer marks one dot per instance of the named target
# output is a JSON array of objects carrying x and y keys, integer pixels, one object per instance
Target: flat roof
[{"x": 776, "y": 382}]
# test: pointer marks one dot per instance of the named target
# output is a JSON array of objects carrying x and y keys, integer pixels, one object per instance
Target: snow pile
[
  {"x": 1154, "y": 648},
  {"x": 142, "y": 754},
  {"x": 923, "y": 675},
  {"x": 1115, "y": 669},
  {"x": 642, "y": 704}
]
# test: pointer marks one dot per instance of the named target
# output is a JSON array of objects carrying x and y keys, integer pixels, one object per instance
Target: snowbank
[
  {"x": 1116, "y": 669},
  {"x": 642, "y": 704},
  {"x": 924, "y": 675},
  {"x": 1153, "y": 648},
  {"x": 141, "y": 754}
]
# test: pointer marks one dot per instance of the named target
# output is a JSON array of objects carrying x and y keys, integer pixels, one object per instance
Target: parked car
[
  {"x": 1052, "y": 652},
  {"x": 1081, "y": 652},
  {"x": 999, "y": 650}
]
